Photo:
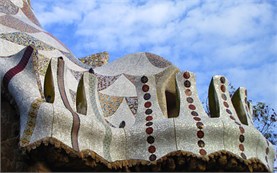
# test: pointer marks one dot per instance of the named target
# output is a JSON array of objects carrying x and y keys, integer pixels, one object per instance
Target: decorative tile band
[
  {"x": 28, "y": 12},
  {"x": 36, "y": 66},
  {"x": 267, "y": 152},
  {"x": 8, "y": 7},
  {"x": 132, "y": 102},
  {"x": 200, "y": 125},
  {"x": 242, "y": 130},
  {"x": 108, "y": 132},
  {"x": 17, "y": 24},
  {"x": 148, "y": 111},
  {"x": 19, "y": 67},
  {"x": 76, "y": 119},
  {"x": 31, "y": 122},
  {"x": 26, "y": 40}
]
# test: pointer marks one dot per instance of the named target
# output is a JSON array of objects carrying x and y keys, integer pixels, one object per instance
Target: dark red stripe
[
  {"x": 19, "y": 67},
  {"x": 76, "y": 119}
]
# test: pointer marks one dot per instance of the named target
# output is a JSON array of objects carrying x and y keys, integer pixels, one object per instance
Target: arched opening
[
  {"x": 213, "y": 101},
  {"x": 172, "y": 102},
  {"x": 49, "y": 91},
  {"x": 81, "y": 101}
]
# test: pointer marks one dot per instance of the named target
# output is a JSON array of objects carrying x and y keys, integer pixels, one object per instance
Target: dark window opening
[
  {"x": 49, "y": 91},
  {"x": 81, "y": 101},
  {"x": 122, "y": 124},
  {"x": 172, "y": 104}
]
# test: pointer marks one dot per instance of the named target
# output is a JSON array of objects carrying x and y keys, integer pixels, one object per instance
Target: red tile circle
[
  {"x": 223, "y": 88},
  {"x": 226, "y": 104},
  {"x": 202, "y": 152},
  {"x": 151, "y": 149},
  {"x": 241, "y": 129},
  {"x": 241, "y": 147},
  {"x": 149, "y": 130},
  {"x": 147, "y": 104},
  {"x": 192, "y": 107},
  {"x": 200, "y": 134},
  {"x": 149, "y": 118},
  {"x": 145, "y": 88},
  {"x": 197, "y": 118},
  {"x": 186, "y": 75}
]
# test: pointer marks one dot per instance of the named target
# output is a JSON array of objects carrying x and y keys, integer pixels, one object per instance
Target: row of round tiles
[
  {"x": 149, "y": 130},
  {"x": 242, "y": 131},
  {"x": 192, "y": 107}
]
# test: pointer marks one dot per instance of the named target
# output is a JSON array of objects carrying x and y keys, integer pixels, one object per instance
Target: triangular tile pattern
[
  {"x": 122, "y": 114},
  {"x": 109, "y": 104},
  {"x": 122, "y": 87},
  {"x": 157, "y": 61},
  {"x": 131, "y": 78},
  {"x": 77, "y": 75},
  {"x": 133, "y": 104},
  {"x": 105, "y": 81}
]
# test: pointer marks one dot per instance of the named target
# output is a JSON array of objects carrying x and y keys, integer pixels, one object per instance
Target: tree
[{"x": 264, "y": 119}]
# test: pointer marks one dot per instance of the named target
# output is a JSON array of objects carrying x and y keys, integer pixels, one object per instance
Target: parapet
[{"x": 136, "y": 112}]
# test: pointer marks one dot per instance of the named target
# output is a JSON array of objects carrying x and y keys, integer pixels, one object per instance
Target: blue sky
[{"x": 237, "y": 39}]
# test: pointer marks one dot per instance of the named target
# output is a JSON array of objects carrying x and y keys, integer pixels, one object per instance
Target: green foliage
[{"x": 265, "y": 120}]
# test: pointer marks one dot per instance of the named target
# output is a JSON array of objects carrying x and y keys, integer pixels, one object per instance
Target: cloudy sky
[{"x": 237, "y": 39}]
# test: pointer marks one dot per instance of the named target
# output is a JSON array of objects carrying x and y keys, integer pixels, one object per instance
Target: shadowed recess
[
  {"x": 213, "y": 100},
  {"x": 238, "y": 105},
  {"x": 81, "y": 101},
  {"x": 49, "y": 91},
  {"x": 172, "y": 103}
]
